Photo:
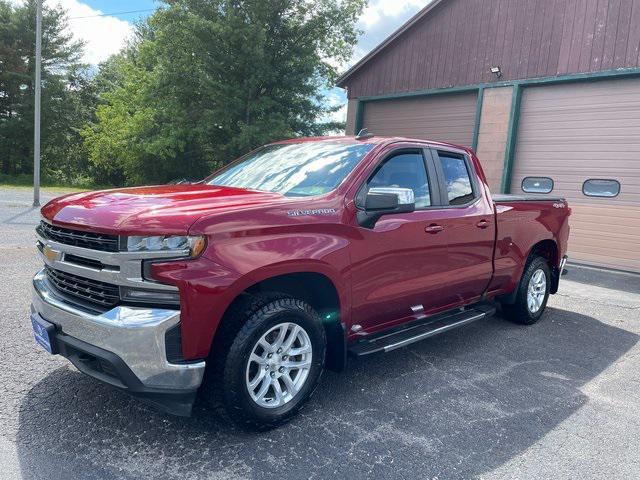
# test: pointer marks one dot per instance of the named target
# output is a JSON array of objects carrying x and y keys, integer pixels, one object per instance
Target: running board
[{"x": 435, "y": 325}]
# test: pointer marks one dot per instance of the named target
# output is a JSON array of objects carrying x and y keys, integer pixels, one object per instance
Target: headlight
[{"x": 167, "y": 243}]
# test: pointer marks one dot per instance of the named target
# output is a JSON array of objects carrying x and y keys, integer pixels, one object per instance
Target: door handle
[
  {"x": 434, "y": 228},
  {"x": 482, "y": 224}
]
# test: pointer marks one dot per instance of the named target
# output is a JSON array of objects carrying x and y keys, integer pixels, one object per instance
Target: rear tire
[
  {"x": 532, "y": 294},
  {"x": 271, "y": 366}
]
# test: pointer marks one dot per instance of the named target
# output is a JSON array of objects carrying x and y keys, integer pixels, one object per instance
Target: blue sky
[
  {"x": 379, "y": 19},
  {"x": 108, "y": 6},
  {"x": 105, "y": 35}
]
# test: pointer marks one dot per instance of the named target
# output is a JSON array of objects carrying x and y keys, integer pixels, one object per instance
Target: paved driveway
[{"x": 495, "y": 400}]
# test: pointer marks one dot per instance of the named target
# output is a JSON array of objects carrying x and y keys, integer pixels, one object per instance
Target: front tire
[
  {"x": 274, "y": 363},
  {"x": 533, "y": 293}
]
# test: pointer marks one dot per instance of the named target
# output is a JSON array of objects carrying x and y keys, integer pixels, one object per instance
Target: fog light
[{"x": 149, "y": 296}]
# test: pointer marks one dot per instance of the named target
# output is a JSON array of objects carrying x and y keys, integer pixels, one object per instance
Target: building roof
[
  {"x": 408, "y": 24},
  {"x": 459, "y": 43}
]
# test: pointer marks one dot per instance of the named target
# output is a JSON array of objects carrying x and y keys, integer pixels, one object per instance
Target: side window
[
  {"x": 456, "y": 178},
  {"x": 405, "y": 170},
  {"x": 537, "y": 185},
  {"x": 596, "y": 187}
]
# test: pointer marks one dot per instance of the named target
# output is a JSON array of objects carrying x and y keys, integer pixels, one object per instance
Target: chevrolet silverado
[{"x": 244, "y": 286}]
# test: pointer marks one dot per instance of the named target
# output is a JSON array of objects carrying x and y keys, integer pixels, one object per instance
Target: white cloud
[
  {"x": 379, "y": 10},
  {"x": 379, "y": 20},
  {"x": 340, "y": 115},
  {"x": 334, "y": 98},
  {"x": 103, "y": 36}
]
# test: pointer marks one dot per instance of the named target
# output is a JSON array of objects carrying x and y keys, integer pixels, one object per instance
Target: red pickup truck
[{"x": 246, "y": 285}]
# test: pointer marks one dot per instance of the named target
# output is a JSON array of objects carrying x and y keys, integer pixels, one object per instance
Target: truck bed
[{"x": 506, "y": 198}]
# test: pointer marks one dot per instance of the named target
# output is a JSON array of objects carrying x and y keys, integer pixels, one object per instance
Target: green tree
[
  {"x": 65, "y": 104},
  {"x": 207, "y": 80}
]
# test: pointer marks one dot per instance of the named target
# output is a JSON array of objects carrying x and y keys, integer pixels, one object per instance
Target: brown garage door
[
  {"x": 444, "y": 118},
  {"x": 579, "y": 131}
]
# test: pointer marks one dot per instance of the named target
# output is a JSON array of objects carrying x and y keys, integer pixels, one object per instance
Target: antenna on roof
[{"x": 364, "y": 134}]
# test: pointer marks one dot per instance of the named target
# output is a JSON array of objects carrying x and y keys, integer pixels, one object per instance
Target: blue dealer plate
[{"x": 41, "y": 332}]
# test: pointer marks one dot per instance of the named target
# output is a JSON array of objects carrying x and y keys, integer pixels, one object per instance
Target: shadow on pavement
[
  {"x": 454, "y": 406},
  {"x": 25, "y": 216}
]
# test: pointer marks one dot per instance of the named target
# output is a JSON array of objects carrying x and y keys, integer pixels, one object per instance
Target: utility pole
[{"x": 36, "y": 116}]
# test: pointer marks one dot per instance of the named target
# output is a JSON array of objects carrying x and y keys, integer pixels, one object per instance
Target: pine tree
[{"x": 63, "y": 77}]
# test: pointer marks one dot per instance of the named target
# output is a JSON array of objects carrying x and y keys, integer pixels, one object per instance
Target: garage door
[
  {"x": 444, "y": 118},
  {"x": 587, "y": 132}
]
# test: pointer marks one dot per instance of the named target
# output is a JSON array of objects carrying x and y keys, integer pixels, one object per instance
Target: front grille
[
  {"x": 77, "y": 238},
  {"x": 84, "y": 262},
  {"x": 84, "y": 290}
]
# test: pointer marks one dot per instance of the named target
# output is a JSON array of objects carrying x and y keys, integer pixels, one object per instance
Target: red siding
[{"x": 459, "y": 40}]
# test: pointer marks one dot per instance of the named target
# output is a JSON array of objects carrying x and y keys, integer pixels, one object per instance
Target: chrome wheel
[
  {"x": 536, "y": 291},
  {"x": 279, "y": 365}
]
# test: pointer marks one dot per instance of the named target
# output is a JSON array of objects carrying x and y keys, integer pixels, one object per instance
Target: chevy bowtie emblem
[{"x": 50, "y": 253}]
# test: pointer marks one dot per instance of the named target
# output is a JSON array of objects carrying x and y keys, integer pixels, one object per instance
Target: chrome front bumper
[{"x": 136, "y": 335}]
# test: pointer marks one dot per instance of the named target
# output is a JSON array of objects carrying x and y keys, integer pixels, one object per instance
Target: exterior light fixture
[{"x": 496, "y": 71}]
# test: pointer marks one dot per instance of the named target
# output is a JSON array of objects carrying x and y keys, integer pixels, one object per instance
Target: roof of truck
[{"x": 373, "y": 139}]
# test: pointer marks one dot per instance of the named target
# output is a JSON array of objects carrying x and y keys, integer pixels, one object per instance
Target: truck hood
[{"x": 166, "y": 209}]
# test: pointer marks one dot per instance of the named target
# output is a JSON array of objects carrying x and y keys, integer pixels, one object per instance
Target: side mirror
[{"x": 385, "y": 201}]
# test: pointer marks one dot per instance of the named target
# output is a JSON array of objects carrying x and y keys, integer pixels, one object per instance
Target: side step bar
[{"x": 408, "y": 334}]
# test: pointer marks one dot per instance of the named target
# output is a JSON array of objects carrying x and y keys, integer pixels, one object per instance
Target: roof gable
[
  {"x": 406, "y": 26},
  {"x": 456, "y": 42}
]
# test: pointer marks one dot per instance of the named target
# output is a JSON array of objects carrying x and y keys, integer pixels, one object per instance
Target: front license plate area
[{"x": 43, "y": 332}]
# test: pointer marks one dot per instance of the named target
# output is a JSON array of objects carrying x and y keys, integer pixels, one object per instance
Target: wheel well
[
  {"x": 318, "y": 291},
  {"x": 314, "y": 288},
  {"x": 548, "y": 249}
]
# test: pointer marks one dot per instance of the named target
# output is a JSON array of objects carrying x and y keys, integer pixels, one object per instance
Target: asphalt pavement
[{"x": 560, "y": 399}]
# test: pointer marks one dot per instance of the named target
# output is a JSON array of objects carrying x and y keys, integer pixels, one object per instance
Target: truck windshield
[{"x": 293, "y": 169}]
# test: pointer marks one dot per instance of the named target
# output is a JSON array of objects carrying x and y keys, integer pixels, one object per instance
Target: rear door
[{"x": 470, "y": 225}]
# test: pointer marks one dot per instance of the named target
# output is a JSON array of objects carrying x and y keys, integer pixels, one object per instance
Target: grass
[
  {"x": 25, "y": 181},
  {"x": 49, "y": 189}
]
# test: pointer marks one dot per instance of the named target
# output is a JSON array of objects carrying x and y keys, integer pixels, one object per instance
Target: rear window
[
  {"x": 537, "y": 185},
  {"x": 457, "y": 178},
  {"x": 597, "y": 187}
]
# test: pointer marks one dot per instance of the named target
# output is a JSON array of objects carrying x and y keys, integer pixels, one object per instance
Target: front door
[{"x": 399, "y": 268}]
